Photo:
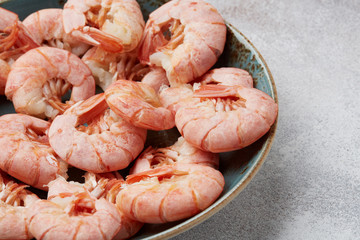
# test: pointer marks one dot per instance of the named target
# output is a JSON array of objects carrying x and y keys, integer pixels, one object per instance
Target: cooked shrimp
[
  {"x": 185, "y": 38},
  {"x": 107, "y": 144},
  {"x": 107, "y": 67},
  {"x": 40, "y": 77},
  {"x": 13, "y": 33},
  {"x": 176, "y": 191},
  {"x": 114, "y": 25},
  {"x": 222, "y": 118},
  {"x": 14, "y": 202},
  {"x": 26, "y": 153},
  {"x": 46, "y": 28},
  {"x": 138, "y": 104},
  {"x": 74, "y": 216},
  {"x": 4, "y": 72},
  {"x": 95, "y": 185},
  {"x": 180, "y": 152}
]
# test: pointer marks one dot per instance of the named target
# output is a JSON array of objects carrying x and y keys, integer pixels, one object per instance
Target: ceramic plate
[{"x": 238, "y": 167}]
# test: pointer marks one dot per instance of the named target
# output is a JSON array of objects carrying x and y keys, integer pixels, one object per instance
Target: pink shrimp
[
  {"x": 114, "y": 25},
  {"x": 176, "y": 191},
  {"x": 180, "y": 152},
  {"x": 197, "y": 38},
  {"x": 14, "y": 202},
  {"x": 46, "y": 28},
  {"x": 222, "y": 118},
  {"x": 95, "y": 184},
  {"x": 107, "y": 144},
  {"x": 73, "y": 215},
  {"x": 40, "y": 77},
  {"x": 138, "y": 104},
  {"x": 107, "y": 67},
  {"x": 26, "y": 153}
]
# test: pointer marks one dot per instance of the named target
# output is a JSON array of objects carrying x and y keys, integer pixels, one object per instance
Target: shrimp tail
[{"x": 211, "y": 90}]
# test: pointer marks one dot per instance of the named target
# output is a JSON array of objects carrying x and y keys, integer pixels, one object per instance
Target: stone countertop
[{"x": 309, "y": 185}]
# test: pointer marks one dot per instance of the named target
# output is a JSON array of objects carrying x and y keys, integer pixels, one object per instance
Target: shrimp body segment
[
  {"x": 180, "y": 152},
  {"x": 27, "y": 154},
  {"x": 107, "y": 143},
  {"x": 40, "y": 77},
  {"x": 46, "y": 28},
  {"x": 176, "y": 191},
  {"x": 138, "y": 103},
  {"x": 231, "y": 117},
  {"x": 4, "y": 72},
  {"x": 197, "y": 38},
  {"x": 114, "y": 25},
  {"x": 14, "y": 202}
]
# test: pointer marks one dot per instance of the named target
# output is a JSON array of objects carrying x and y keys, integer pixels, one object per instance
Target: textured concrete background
[{"x": 309, "y": 186}]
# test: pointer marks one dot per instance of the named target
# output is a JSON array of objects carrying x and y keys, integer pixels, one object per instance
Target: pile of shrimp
[{"x": 154, "y": 75}]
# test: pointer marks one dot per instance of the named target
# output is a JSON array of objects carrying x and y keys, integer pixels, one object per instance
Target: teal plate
[{"x": 238, "y": 167}]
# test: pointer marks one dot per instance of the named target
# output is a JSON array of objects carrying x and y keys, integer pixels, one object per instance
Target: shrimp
[
  {"x": 46, "y": 28},
  {"x": 114, "y": 25},
  {"x": 139, "y": 104},
  {"x": 95, "y": 185},
  {"x": 13, "y": 33},
  {"x": 26, "y": 153},
  {"x": 185, "y": 38},
  {"x": 74, "y": 215},
  {"x": 180, "y": 152},
  {"x": 176, "y": 191},
  {"x": 14, "y": 202},
  {"x": 107, "y": 67},
  {"x": 107, "y": 143},
  {"x": 40, "y": 77},
  {"x": 220, "y": 118}
]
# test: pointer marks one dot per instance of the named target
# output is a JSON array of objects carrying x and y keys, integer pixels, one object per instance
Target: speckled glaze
[{"x": 238, "y": 167}]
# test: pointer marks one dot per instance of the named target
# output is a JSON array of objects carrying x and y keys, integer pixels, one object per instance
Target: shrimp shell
[
  {"x": 176, "y": 191},
  {"x": 40, "y": 77},
  {"x": 107, "y": 144},
  {"x": 27, "y": 154},
  {"x": 14, "y": 202},
  {"x": 222, "y": 118},
  {"x": 197, "y": 38},
  {"x": 46, "y": 28},
  {"x": 138, "y": 104},
  {"x": 114, "y": 25}
]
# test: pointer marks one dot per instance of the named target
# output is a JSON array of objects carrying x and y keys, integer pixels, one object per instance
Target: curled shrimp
[
  {"x": 14, "y": 202},
  {"x": 40, "y": 77},
  {"x": 95, "y": 185},
  {"x": 114, "y": 25},
  {"x": 27, "y": 154},
  {"x": 107, "y": 67},
  {"x": 73, "y": 215},
  {"x": 180, "y": 152},
  {"x": 46, "y": 28},
  {"x": 176, "y": 191},
  {"x": 185, "y": 37},
  {"x": 107, "y": 143},
  {"x": 222, "y": 118},
  {"x": 139, "y": 104}
]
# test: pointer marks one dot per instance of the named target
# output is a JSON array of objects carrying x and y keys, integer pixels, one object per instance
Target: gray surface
[{"x": 309, "y": 186}]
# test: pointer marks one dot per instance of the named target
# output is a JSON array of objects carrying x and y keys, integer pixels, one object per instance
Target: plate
[{"x": 238, "y": 167}]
